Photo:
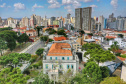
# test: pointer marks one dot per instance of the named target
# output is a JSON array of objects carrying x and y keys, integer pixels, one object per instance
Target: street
[{"x": 33, "y": 49}]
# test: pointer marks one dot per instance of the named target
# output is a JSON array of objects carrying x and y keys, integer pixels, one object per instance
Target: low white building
[{"x": 59, "y": 59}]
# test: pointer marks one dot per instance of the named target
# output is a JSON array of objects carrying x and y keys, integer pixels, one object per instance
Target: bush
[
  {"x": 20, "y": 65},
  {"x": 123, "y": 56},
  {"x": 118, "y": 54},
  {"x": 32, "y": 60}
]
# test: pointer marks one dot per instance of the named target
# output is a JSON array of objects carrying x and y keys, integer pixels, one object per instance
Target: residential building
[
  {"x": 78, "y": 18},
  {"x": 101, "y": 20},
  {"x": 105, "y": 23},
  {"x": 31, "y": 33},
  {"x": 68, "y": 16},
  {"x": 56, "y": 22},
  {"x": 52, "y": 19},
  {"x": 83, "y": 18},
  {"x": 0, "y": 20},
  {"x": 10, "y": 20},
  {"x": 86, "y": 18},
  {"x": 33, "y": 20},
  {"x": 24, "y": 22},
  {"x": 59, "y": 59},
  {"x": 60, "y": 23},
  {"x": 60, "y": 38}
]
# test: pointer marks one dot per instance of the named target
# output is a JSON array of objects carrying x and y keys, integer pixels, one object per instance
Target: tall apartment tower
[
  {"x": 83, "y": 18},
  {"x": 52, "y": 19},
  {"x": 78, "y": 18},
  {"x": 68, "y": 16}
]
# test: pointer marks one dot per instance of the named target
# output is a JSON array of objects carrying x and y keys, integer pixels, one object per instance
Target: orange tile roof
[
  {"x": 23, "y": 28},
  {"x": 60, "y": 38},
  {"x": 56, "y": 50},
  {"x": 109, "y": 37},
  {"x": 122, "y": 59},
  {"x": 31, "y": 30}
]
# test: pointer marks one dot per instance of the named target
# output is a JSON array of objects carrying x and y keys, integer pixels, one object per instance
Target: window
[
  {"x": 52, "y": 66},
  {"x": 67, "y": 58},
  {"x": 50, "y": 58},
  {"x": 63, "y": 58},
  {"x": 46, "y": 66},
  {"x": 68, "y": 66},
  {"x": 71, "y": 66},
  {"x": 55, "y": 58}
]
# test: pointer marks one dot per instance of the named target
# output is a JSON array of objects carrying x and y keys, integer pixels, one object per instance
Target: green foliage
[
  {"x": 92, "y": 73},
  {"x": 114, "y": 46},
  {"x": 51, "y": 31},
  {"x": 113, "y": 80},
  {"x": 50, "y": 40},
  {"x": 23, "y": 38},
  {"x": 10, "y": 37},
  {"x": 44, "y": 38},
  {"x": 38, "y": 28},
  {"x": 105, "y": 71},
  {"x": 42, "y": 79},
  {"x": 39, "y": 52},
  {"x": 81, "y": 32},
  {"x": 123, "y": 56},
  {"x": 120, "y": 35},
  {"x": 6, "y": 28},
  {"x": 3, "y": 45},
  {"x": 118, "y": 54},
  {"x": 90, "y": 34},
  {"x": 99, "y": 55},
  {"x": 61, "y": 32},
  {"x": 90, "y": 46},
  {"x": 13, "y": 59},
  {"x": 72, "y": 28},
  {"x": 12, "y": 77}
]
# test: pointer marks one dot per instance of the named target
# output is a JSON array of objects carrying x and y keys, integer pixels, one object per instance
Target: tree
[
  {"x": 38, "y": 28},
  {"x": 114, "y": 47},
  {"x": 90, "y": 46},
  {"x": 23, "y": 38},
  {"x": 44, "y": 38},
  {"x": 120, "y": 35},
  {"x": 3, "y": 45},
  {"x": 98, "y": 55},
  {"x": 12, "y": 77},
  {"x": 105, "y": 71},
  {"x": 61, "y": 32},
  {"x": 39, "y": 52},
  {"x": 92, "y": 73},
  {"x": 81, "y": 32},
  {"x": 42, "y": 79},
  {"x": 112, "y": 80}
]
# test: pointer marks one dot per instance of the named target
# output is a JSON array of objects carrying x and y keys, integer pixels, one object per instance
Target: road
[{"x": 33, "y": 49}]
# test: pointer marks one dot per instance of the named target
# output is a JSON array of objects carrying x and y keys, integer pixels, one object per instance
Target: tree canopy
[
  {"x": 113, "y": 80},
  {"x": 44, "y": 38},
  {"x": 14, "y": 59},
  {"x": 99, "y": 55},
  {"x": 39, "y": 52},
  {"x": 8, "y": 76},
  {"x": 6, "y": 28},
  {"x": 114, "y": 46},
  {"x": 61, "y": 32},
  {"x": 23, "y": 38},
  {"x": 90, "y": 46}
]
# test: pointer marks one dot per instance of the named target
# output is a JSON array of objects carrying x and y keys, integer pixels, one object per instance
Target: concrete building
[
  {"x": 24, "y": 22},
  {"x": 60, "y": 23},
  {"x": 68, "y": 16},
  {"x": 33, "y": 20},
  {"x": 52, "y": 19},
  {"x": 86, "y": 18},
  {"x": 101, "y": 20},
  {"x": 78, "y": 18},
  {"x": 105, "y": 23},
  {"x": 59, "y": 59},
  {"x": 56, "y": 22},
  {"x": 0, "y": 20},
  {"x": 10, "y": 20},
  {"x": 83, "y": 18}
]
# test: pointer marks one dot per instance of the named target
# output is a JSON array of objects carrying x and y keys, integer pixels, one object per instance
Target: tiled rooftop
[
  {"x": 56, "y": 50},
  {"x": 60, "y": 38}
]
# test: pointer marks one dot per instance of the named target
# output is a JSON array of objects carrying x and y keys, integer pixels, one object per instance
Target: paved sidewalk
[{"x": 123, "y": 73}]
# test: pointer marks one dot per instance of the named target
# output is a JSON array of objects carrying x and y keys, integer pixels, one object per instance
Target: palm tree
[{"x": 114, "y": 47}]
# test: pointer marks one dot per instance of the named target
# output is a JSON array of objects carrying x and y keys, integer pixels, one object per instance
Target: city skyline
[{"x": 57, "y": 8}]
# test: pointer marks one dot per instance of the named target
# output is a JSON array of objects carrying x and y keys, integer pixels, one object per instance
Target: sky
[{"x": 58, "y": 8}]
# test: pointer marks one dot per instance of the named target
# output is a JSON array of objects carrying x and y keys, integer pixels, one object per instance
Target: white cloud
[
  {"x": 19, "y": 6},
  {"x": 114, "y": 3},
  {"x": 36, "y": 6},
  {"x": 3, "y": 5},
  {"x": 93, "y": 6},
  {"x": 87, "y": 0},
  {"x": 54, "y": 4},
  {"x": 69, "y": 9}
]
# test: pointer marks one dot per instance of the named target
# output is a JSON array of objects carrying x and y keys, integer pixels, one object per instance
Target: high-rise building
[
  {"x": 86, "y": 18},
  {"x": 105, "y": 23},
  {"x": 68, "y": 16},
  {"x": 38, "y": 20},
  {"x": 52, "y": 19},
  {"x": 78, "y": 18},
  {"x": 10, "y": 20},
  {"x": 60, "y": 23},
  {"x": 83, "y": 18},
  {"x": 0, "y": 20},
  {"x": 24, "y": 22},
  {"x": 33, "y": 20},
  {"x": 101, "y": 21}
]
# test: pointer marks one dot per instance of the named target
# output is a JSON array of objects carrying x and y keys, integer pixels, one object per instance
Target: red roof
[
  {"x": 110, "y": 37},
  {"x": 60, "y": 38},
  {"x": 23, "y": 28},
  {"x": 31, "y": 30},
  {"x": 122, "y": 59}
]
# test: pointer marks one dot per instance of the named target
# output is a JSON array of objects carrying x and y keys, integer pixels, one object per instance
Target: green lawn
[{"x": 33, "y": 73}]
